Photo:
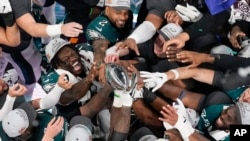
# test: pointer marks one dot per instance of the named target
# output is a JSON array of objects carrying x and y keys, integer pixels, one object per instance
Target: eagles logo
[{"x": 94, "y": 34}]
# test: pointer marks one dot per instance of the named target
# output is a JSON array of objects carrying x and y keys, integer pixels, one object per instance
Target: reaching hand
[
  {"x": 154, "y": 80},
  {"x": 17, "y": 90},
  {"x": 131, "y": 44},
  {"x": 194, "y": 58},
  {"x": 54, "y": 127},
  {"x": 71, "y": 29},
  {"x": 111, "y": 58},
  {"x": 63, "y": 81}
]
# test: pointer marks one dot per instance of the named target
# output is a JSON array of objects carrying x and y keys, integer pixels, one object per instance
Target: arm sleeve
[
  {"x": 7, "y": 107},
  {"x": 233, "y": 80},
  {"x": 227, "y": 62},
  {"x": 139, "y": 33},
  {"x": 52, "y": 98}
]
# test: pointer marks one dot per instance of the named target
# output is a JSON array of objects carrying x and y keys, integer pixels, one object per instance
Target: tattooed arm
[{"x": 100, "y": 46}]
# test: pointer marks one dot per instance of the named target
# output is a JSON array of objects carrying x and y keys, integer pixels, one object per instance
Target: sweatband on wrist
[
  {"x": 185, "y": 129},
  {"x": 117, "y": 101},
  {"x": 139, "y": 33},
  {"x": 112, "y": 50},
  {"x": 52, "y": 98},
  {"x": 176, "y": 73},
  {"x": 127, "y": 100},
  {"x": 54, "y": 30},
  {"x": 7, "y": 107}
]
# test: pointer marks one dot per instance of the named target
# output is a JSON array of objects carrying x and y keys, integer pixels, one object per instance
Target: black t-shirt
[
  {"x": 77, "y": 10},
  {"x": 25, "y": 40},
  {"x": 159, "y": 7}
]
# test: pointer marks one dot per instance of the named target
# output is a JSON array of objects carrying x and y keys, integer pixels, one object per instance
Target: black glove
[{"x": 148, "y": 95}]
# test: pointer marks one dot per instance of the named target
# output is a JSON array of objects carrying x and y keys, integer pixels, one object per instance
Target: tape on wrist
[
  {"x": 54, "y": 30},
  {"x": 184, "y": 128},
  {"x": 176, "y": 73}
]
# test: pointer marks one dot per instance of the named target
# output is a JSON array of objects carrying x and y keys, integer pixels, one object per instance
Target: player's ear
[{"x": 107, "y": 10}]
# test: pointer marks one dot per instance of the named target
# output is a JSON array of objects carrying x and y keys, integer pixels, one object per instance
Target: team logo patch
[{"x": 94, "y": 34}]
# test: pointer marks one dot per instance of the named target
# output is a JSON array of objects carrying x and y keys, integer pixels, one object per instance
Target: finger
[
  {"x": 147, "y": 80},
  {"x": 51, "y": 121},
  {"x": 147, "y": 77},
  {"x": 78, "y": 26},
  {"x": 136, "y": 51},
  {"x": 145, "y": 72},
  {"x": 155, "y": 88}
]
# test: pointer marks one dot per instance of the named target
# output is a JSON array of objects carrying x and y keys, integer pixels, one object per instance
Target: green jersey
[
  {"x": 102, "y": 28},
  {"x": 208, "y": 117}
]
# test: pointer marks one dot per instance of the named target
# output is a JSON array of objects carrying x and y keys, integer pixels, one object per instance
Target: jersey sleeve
[{"x": 20, "y": 7}]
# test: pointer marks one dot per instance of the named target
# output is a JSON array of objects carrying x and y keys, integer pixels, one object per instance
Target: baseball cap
[
  {"x": 80, "y": 129},
  {"x": 19, "y": 119},
  {"x": 118, "y": 4},
  {"x": 243, "y": 112},
  {"x": 143, "y": 134},
  {"x": 170, "y": 30},
  {"x": 54, "y": 46}
]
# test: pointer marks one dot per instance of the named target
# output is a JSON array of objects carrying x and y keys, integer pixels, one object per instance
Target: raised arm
[{"x": 10, "y": 35}]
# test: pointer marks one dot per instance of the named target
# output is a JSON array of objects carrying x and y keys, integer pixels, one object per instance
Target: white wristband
[
  {"x": 176, "y": 73},
  {"x": 112, "y": 50},
  {"x": 54, "y": 30},
  {"x": 185, "y": 128},
  {"x": 117, "y": 102}
]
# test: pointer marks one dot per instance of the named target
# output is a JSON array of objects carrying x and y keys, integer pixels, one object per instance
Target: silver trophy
[{"x": 118, "y": 77}]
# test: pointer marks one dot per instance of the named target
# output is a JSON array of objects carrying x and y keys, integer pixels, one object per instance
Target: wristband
[
  {"x": 184, "y": 127},
  {"x": 117, "y": 102},
  {"x": 54, "y": 30},
  {"x": 176, "y": 73},
  {"x": 127, "y": 100}
]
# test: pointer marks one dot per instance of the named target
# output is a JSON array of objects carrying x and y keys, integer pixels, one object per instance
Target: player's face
[
  {"x": 245, "y": 96},
  {"x": 158, "y": 46},
  {"x": 70, "y": 60},
  {"x": 117, "y": 17},
  {"x": 227, "y": 118}
]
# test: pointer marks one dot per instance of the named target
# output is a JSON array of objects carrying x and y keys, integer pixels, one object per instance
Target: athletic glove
[
  {"x": 183, "y": 124},
  {"x": 6, "y": 12},
  {"x": 188, "y": 13},
  {"x": 154, "y": 80}
]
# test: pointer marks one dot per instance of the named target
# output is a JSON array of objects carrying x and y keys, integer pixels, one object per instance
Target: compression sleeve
[
  {"x": 139, "y": 33},
  {"x": 7, "y": 107},
  {"x": 52, "y": 98}
]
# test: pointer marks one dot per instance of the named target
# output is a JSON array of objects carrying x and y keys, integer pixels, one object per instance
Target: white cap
[
  {"x": 10, "y": 77},
  {"x": 118, "y": 4},
  {"x": 80, "y": 129},
  {"x": 243, "y": 112},
  {"x": 54, "y": 46},
  {"x": 18, "y": 120}
]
